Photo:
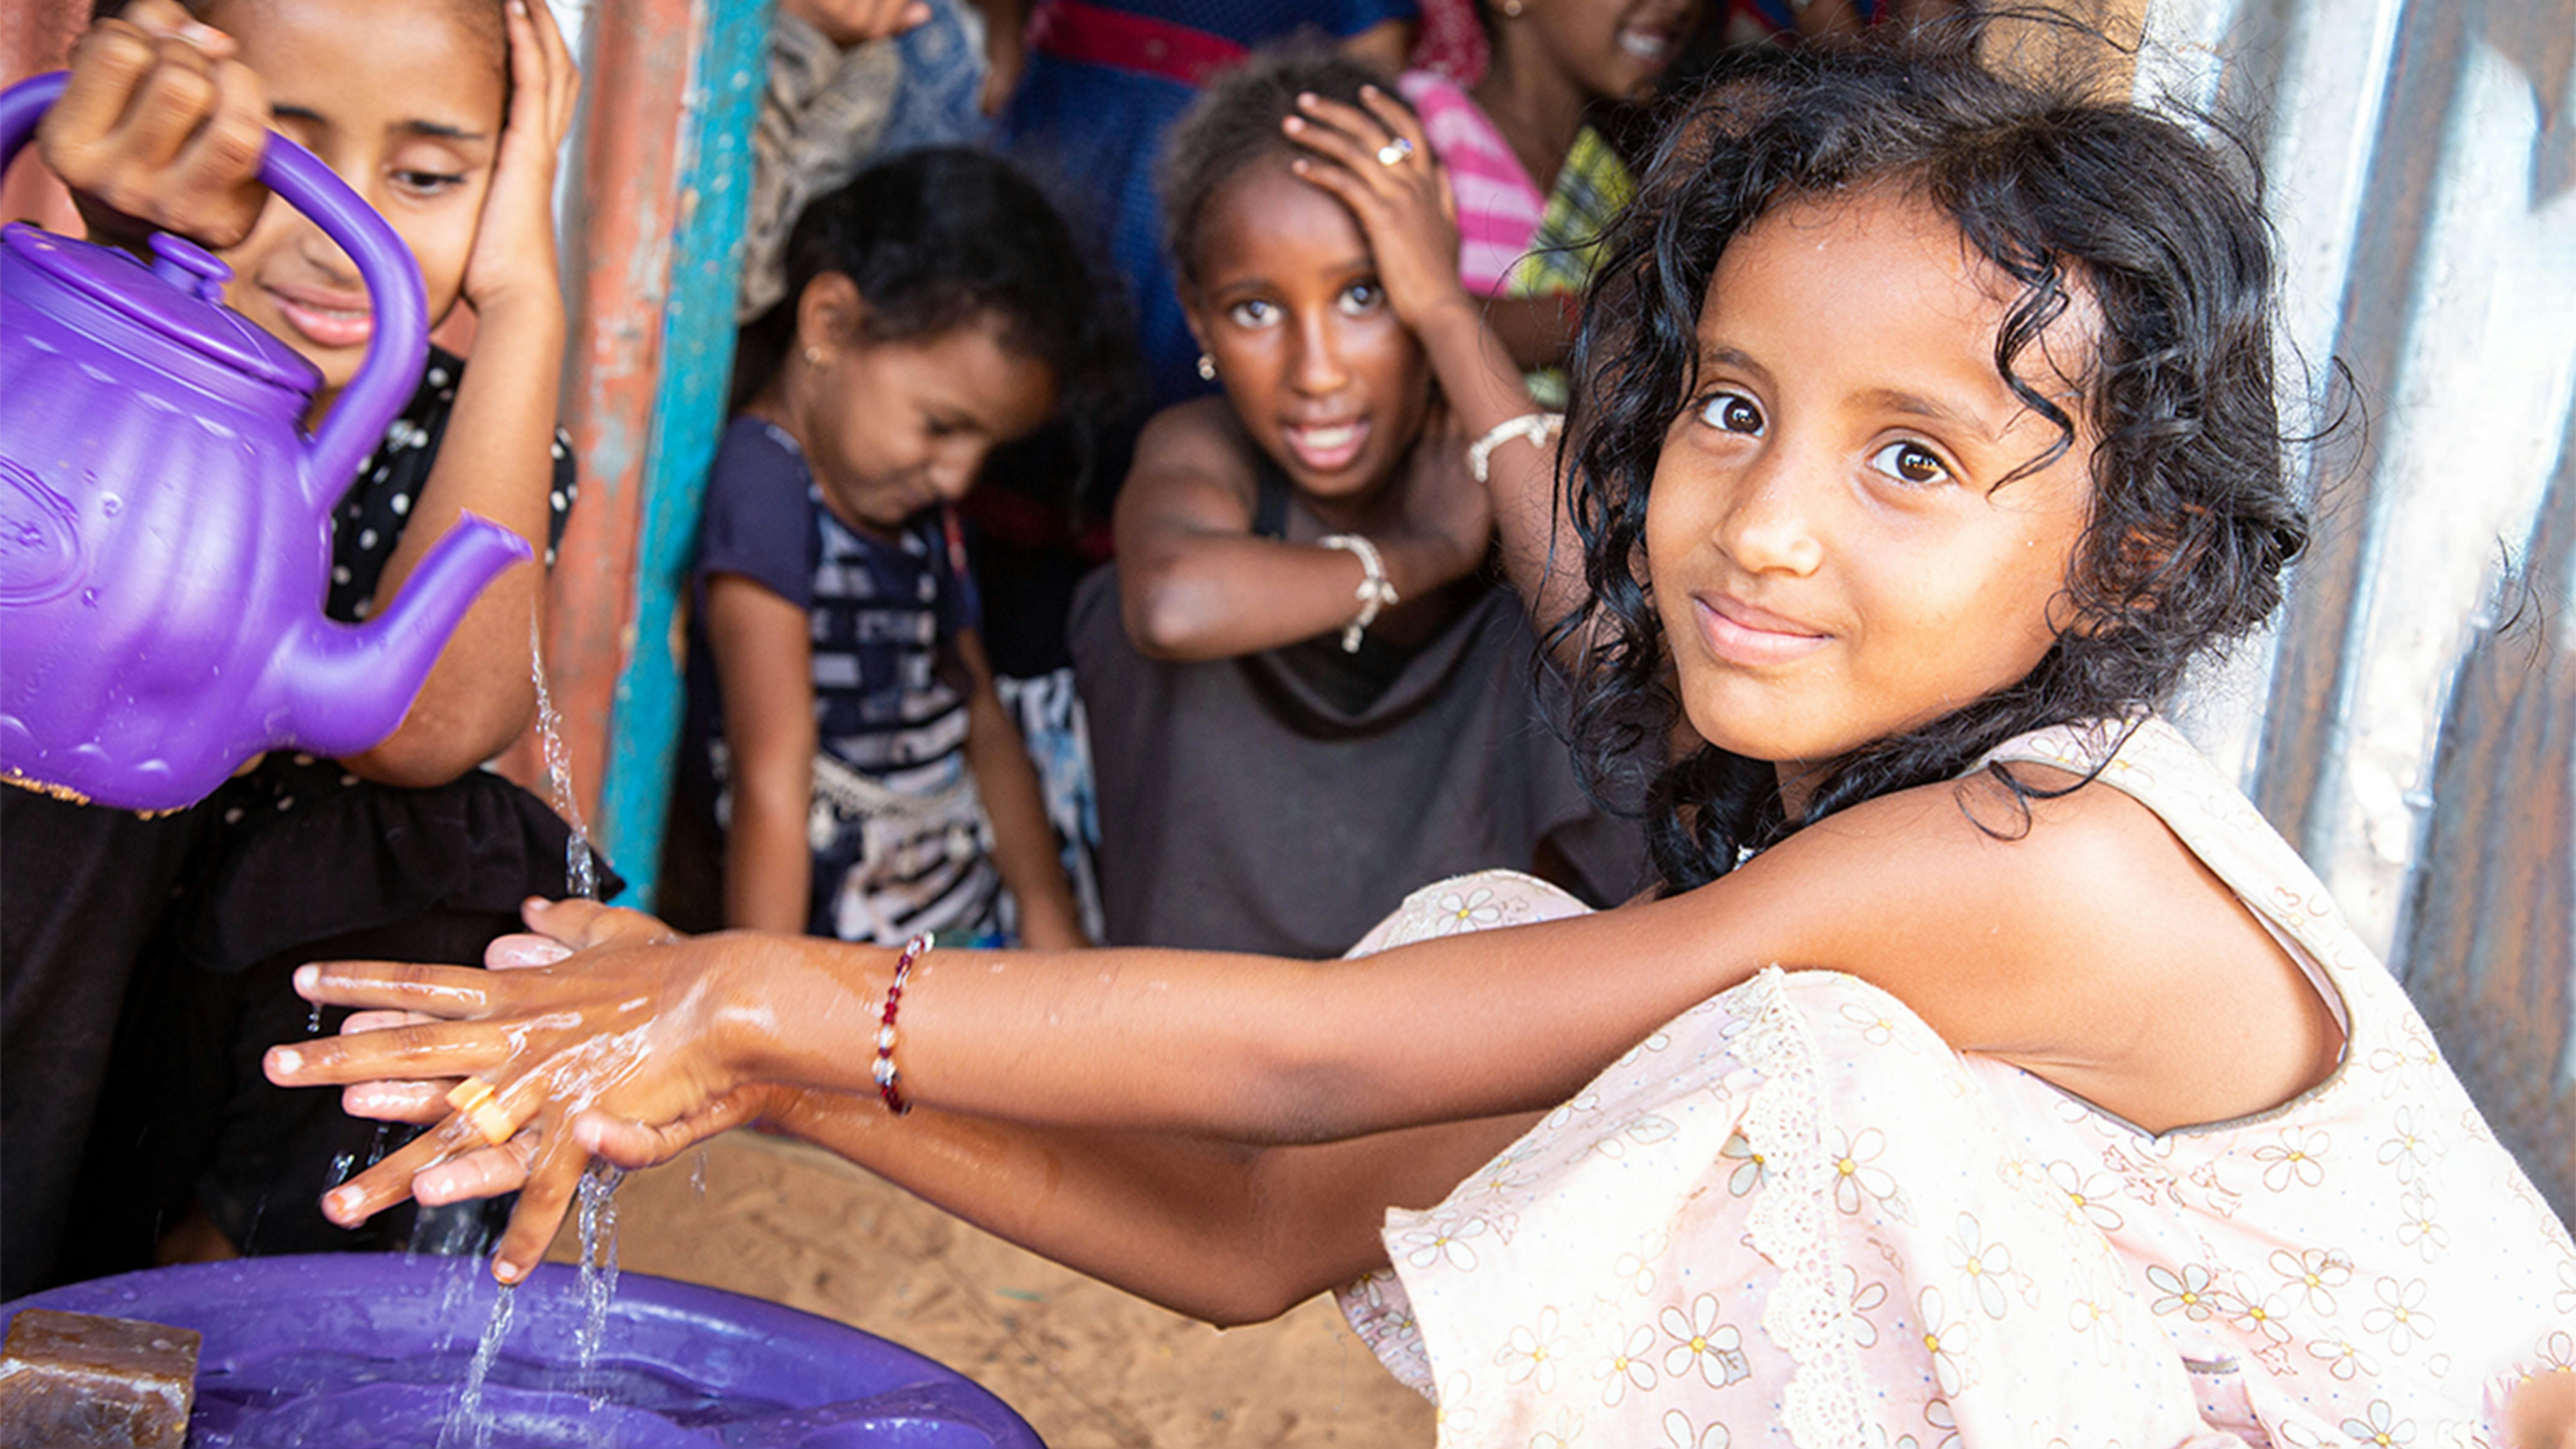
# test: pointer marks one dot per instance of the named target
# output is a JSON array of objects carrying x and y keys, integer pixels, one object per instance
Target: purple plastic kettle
[{"x": 165, "y": 522}]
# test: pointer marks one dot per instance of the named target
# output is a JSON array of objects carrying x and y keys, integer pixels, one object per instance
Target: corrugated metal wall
[{"x": 2412, "y": 724}]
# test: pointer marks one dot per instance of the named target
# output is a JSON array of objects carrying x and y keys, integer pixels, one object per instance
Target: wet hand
[
  {"x": 617, "y": 1141},
  {"x": 1378, "y": 162},
  {"x": 514, "y": 243},
  {"x": 623, "y": 1027},
  {"x": 423, "y": 1102},
  {"x": 160, "y": 127}
]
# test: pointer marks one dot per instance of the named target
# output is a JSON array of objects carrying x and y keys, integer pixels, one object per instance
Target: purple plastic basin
[{"x": 366, "y": 1349}]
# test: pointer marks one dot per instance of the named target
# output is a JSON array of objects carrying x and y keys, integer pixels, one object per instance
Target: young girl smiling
[{"x": 1987, "y": 1070}]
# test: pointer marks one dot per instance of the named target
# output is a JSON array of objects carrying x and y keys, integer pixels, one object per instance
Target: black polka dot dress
[{"x": 305, "y": 849}]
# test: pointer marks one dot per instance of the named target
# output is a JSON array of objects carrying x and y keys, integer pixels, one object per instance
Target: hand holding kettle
[
  {"x": 165, "y": 520},
  {"x": 160, "y": 127}
]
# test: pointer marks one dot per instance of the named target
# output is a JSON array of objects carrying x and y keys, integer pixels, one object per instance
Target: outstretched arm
[
  {"x": 2092, "y": 949},
  {"x": 1223, "y": 1232}
]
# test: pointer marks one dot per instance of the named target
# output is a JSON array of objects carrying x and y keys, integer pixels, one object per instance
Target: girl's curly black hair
[{"x": 2194, "y": 512}]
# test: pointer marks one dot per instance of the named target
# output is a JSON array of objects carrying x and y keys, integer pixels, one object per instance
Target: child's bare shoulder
[
  {"x": 2070, "y": 927},
  {"x": 1198, "y": 436},
  {"x": 2062, "y": 859},
  {"x": 1190, "y": 467}
]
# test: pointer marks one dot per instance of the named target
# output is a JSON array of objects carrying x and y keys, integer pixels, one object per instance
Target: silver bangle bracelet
[
  {"x": 1374, "y": 592},
  {"x": 1537, "y": 428}
]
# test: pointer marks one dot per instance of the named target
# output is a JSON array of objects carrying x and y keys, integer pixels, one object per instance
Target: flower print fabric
[{"x": 1794, "y": 1216}]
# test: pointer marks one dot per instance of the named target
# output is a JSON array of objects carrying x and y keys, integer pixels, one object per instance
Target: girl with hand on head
[
  {"x": 1986, "y": 1067},
  {"x": 844, "y": 723},
  {"x": 1304, "y": 693},
  {"x": 446, "y": 119}
]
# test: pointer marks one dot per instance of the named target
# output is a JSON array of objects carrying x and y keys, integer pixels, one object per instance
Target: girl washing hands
[
  {"x": 1987, "y": 1069},
  {"x": 446, "y": 119}
]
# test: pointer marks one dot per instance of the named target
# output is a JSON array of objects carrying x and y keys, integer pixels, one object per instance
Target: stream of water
[
  {"x": 598, "y": 1259},
  {"x": 581, "y": 871},
  {"x": 468, "y": 1424},
  {"x": 469, "y": 1427}
]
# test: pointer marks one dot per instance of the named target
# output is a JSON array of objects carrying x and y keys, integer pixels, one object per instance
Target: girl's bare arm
[
  {"x": 2092, "y": 949},
  {"x": 1025, "y": 848},
  {"x": 1195, "y": 583},
  {"x": 763, "y": 653},
  {"x": 1224, "y": 1233}
]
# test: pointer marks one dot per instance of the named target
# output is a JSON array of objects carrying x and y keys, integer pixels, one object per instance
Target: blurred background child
[
  {"x": 849, "y": 82},
  {"x": 1530, "y": 246},
  {"x": 1304, "y": 689},
  {"x": 847, "y": 742},
  {"x": 445, "y": 119}
]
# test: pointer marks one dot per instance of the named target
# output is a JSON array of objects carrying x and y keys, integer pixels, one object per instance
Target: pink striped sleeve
[{"x": 1498, "y": 207}]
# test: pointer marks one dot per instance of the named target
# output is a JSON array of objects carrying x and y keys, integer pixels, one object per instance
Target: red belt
[{"x": 1099, "y": 35}]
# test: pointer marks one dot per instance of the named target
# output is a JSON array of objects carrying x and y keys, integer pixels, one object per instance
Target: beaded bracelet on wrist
[{"x": 889, "y": 1080}]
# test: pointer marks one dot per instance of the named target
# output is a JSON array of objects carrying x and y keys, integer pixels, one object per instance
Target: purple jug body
[{"x": 165, "y": 522}]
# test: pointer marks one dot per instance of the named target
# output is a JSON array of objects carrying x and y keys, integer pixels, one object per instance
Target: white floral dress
[{"x": 1794, "y": 1216}]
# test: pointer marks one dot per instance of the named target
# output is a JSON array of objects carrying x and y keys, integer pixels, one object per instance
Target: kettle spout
[{"x": 344, "y": 689}]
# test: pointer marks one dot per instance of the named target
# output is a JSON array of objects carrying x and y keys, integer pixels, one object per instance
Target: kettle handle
[{"x": 398, "y": 347}]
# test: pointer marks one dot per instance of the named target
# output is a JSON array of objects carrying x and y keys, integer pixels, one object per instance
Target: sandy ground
[{"x": 1088, "y": 1366}]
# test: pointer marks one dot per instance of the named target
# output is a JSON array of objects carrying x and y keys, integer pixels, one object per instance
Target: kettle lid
[{"x": 179, "y": 297}]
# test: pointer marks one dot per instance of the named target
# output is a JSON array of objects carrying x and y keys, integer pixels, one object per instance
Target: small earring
[
  {"x": 1512, "y": 8},
  {"x": 813, "y": 357},
  {"x": 1207, "y": 368}
]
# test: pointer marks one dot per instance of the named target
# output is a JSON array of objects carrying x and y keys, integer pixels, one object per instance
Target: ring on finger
[
  {"x": 475, "y": 1099},
  {"x": 495, "y": 1125},
  {"x": 1395, "y": 152}
]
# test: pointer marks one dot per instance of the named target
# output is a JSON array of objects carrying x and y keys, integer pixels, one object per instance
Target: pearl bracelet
[
  {"x": 887, "y": 1078},
  {"x": 1374, "y": 592},
  {"x": 1538, "y": 428}
]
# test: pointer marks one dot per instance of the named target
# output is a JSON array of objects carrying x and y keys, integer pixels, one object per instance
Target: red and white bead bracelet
[{"x": 889, "y": 1080}]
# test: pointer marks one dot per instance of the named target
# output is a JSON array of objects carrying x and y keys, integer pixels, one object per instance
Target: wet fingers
[
  {"x": 412, "y": 1052},
  {"x": 488, "y": 1172},
  {"x": 388, "y": 1182},
  {"x": 553, "y": 1176},
  {"x": 440, "y": 991},
  {"x": 415, "y": 1103}
]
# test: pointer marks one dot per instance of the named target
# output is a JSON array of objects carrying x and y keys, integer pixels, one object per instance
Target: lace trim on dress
[{"x": 1791, "y": 1224}]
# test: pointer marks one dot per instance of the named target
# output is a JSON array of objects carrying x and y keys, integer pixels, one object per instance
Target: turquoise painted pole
[{"x": 688, "y": 417}]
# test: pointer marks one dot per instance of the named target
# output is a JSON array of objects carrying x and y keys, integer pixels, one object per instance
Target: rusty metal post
[
  {"x": 688, "y": 416},
  {"x": 670, "y": 87},
  {"x": 627, "y": 185}
]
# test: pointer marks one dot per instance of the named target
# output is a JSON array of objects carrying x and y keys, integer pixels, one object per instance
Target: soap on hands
[{"x": 77, "y": 1380}]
